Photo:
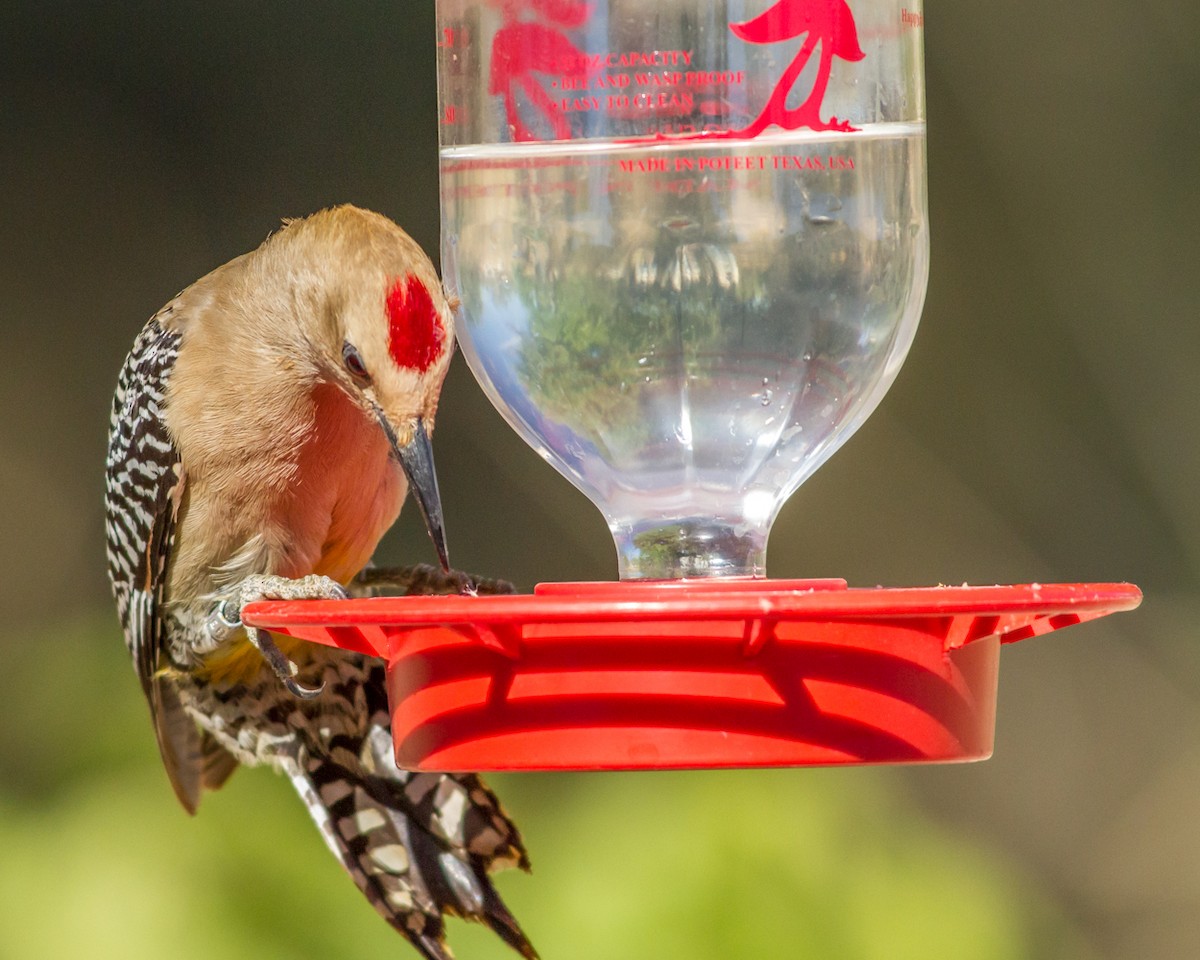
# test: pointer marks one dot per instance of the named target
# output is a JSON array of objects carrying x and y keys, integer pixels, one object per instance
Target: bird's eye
[{"x": 354, "y": 363}]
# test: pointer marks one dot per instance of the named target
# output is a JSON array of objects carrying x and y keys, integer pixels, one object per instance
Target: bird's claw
[
  {"x": 285, "y": 669},
  {"x": 424, "y": 580},
  {"x": 227, "y": 617}
]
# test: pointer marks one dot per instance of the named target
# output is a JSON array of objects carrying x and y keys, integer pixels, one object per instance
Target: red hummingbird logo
[
  {"x": 522, "y": 48},
  {"x": 830, "y": 26}
]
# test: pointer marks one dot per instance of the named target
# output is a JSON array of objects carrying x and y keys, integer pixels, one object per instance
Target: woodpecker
[{"x": 267, "y": 425}]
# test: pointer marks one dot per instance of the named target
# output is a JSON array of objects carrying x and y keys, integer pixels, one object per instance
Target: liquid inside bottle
[{"x": 688, "y": 329}]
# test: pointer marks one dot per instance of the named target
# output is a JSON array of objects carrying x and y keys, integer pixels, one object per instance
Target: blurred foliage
[{"x": 99, "y": 861}]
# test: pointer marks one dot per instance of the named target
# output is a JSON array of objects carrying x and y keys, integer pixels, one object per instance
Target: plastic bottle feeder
[{"x": 691, "y": 247}]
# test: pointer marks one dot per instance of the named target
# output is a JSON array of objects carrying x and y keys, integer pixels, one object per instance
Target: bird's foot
[
  {"x": 423, "y": 580},
  {"x": 227, "y": 616}
]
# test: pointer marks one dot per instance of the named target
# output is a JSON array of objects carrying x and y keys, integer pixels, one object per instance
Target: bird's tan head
[{"x": 384, "y": 332}]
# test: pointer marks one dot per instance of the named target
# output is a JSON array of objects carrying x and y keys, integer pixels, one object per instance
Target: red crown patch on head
[{"x": 416, "y": 336}]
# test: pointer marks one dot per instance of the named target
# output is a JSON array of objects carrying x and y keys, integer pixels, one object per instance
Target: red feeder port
[{"x": 656, "y": 675}]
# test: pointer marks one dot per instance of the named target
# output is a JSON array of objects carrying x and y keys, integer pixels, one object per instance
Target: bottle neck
[{"x": 691, "y": 549}]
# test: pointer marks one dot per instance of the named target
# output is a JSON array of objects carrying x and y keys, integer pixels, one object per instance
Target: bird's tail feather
[{"x": 419, "y": 846}]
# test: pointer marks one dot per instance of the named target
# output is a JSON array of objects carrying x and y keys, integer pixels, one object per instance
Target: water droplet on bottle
[
  {"x": 766, "y": 398},
  {"x": 642, "y": 361}
]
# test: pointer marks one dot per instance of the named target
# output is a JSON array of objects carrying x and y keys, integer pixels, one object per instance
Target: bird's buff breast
[
  {"x": 237, "y": 661},
  {"x": 347, "y": 492}
]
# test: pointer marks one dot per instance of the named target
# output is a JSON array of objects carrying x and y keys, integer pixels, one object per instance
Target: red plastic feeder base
[{"x": 619, "y": 676}]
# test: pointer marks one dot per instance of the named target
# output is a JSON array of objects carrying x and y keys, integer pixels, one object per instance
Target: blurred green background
[{"x": 1044, "y": 428}]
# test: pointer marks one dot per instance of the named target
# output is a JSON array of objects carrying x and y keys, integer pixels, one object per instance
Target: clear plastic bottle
[{"x": 691, "y": 246}]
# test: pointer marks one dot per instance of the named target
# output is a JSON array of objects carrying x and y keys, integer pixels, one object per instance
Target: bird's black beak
[{"x": 416, "y": 457}]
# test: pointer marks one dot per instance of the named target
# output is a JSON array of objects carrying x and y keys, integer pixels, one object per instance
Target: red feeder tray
[{"x": 619, "y": 676}]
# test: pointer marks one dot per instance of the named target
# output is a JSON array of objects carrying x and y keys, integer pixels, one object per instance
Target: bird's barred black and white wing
[{"x": 144, "y": 483}]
